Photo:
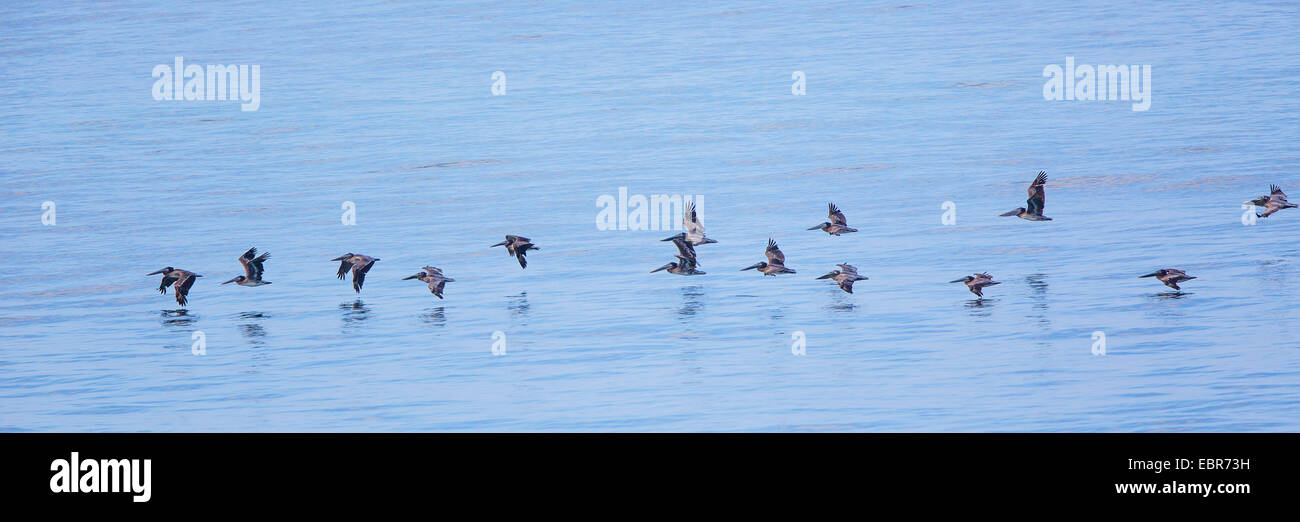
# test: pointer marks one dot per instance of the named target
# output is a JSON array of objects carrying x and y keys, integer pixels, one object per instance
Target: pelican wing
[
  {"x": 1037, "y": 194},
  {"x": 1276, "y": 191},
  {"x": 686, "y": 250},
  {"x": 774, "y": 255},
  {"x": 167, "y": 281},
  {"x": 183, "y": 285},
  {"x": 846, "y": 268},
  {"x": 344, "y": 266},
  {"x": 359, "y": 272},
  {"x": 836, "y": 217}
]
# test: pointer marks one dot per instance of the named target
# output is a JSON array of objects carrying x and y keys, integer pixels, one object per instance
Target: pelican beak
[
  {"x": 1152, "y": 274},
  {"x": 503, "y": 243},
  {"x": 412, "y": 277},
  {"x": 665, "y": 267},
  {"x": 155, "y": 272},
  {"x": 1189, "y": 278},
  {"x": 957, "y": 281},
  {"x": 449, "y": 280},
  {"x": 340, "y": 258},
  {"x": 818, "y": 227},
  {"x": 827, "y": 276},
  {"x": 678, "y": 236},
  {"x": 751, "y": 267},
  {"x": 1012, "y": 213},
  {"x": 231, "y": 281},
  {"x": 707, "y": 241}
]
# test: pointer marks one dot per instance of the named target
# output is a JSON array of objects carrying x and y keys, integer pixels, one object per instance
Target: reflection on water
[
  {"x": 250, "y": 326},
  {"x": 435, "y": 316},
  {"x": 518, "y": 306},
  {"x": 981, "y": 307},
  {"x": 180, "y": 317},
  {"x": 354, "y": 313},
  {"x": 692, "y": 301}
]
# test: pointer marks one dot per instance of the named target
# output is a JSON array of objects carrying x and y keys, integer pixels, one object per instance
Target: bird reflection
[
  {"x": 519, "y": 306},
  {"x": 691, "y": 303},
  {"x": 981, "y": 307},
  {"x": 354, "y": 312},
  {"x": 1038, "y": 294},
  {"x": 251, "y": 327},
  {"x": 435, "y": 316},
  {"x": 179, "y": 317}
]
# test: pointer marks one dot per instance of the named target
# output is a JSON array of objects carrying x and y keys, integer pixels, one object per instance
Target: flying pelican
[
  {"x": 686, "y": 250},
  {"x": 845, "y": 276},
  {"x": 518, "y": 246},
  {"x": 977, "y": 282},
  {"x": 359, "y": 265},
  {"x": 184, "y": 279},
  {"x": 433, "y": 276},
  {"x": 837, "y": 224},
  {"x": 694, "y": 233},
  {"x": 1275, "y": 201},
  {"x": 252, "y": 269},
  {"x": 775, "y": 261},
  {"x": 1170, "y": 277},
  {"x": 686, "y": 267},
  {"x": 1037, "y": 200}
]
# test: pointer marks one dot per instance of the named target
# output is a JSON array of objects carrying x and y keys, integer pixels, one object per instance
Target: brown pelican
[
  {"x": 694, "y": 233},
  {"x": 977, "y": 282},
  {"x": 845, "y": 276},
  {"x": 184, "y": 279},
  {"x": 359, "y": 265},
  {"x": 518, "y": 246},
  {"x": 775, "y": 261},
  {"x": 686, "y": 267},
  {"x": 433, "y": 276},
  {"x": 837, "y": 224},
  {"x": 1170, "y": 277},
  {"x": 686, "y": 250},
  {"x": 1037, "y": 199},
  {"x": 1275, "y": 201},
  {"x": 252, "y": 269}
]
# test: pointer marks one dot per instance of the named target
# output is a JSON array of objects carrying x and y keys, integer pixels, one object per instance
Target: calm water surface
[{"x": 389, "y": 105}]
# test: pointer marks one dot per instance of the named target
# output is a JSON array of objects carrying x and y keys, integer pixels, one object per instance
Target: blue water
[{"x": 390, "y": 106}]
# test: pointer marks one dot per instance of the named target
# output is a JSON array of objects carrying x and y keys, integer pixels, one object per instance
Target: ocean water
[{"x": 390, "y": 106}]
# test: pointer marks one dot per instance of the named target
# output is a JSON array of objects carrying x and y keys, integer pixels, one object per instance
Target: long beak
[
  {"x": 499, "y": 244},
  {"x": 678, "y": 236},
  {"x": 155, "y": 272},
  {"x": 862, "y": 278},
  {"x": 1189, "y": 278},
  {"x": 818, "y": 227},
  {"x": 707, "y": 241},
  {"x": 957, "y": 281},
  {"x": 1152, "y": 274},
  {"x": 665, "y": 267},
  {"x": 448, "y": 279},
  {"x": 231, "y": 281},
  {"x": 1012, "y": 213},
  {"x": 751, "y": 267},
  {"x": 340, "y": 258},
  {"x": 412, "y": 277},
  {"x": 827, "y": 276}
]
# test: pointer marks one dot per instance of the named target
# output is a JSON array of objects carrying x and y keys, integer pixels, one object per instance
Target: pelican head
[
  {"x": 668, "y": 266},
  {"x": 237, "y": 279},
  {"x": 163, "y": 271},
  {"x": 760, "y": 265},
  {"x": 822, "y": 226},
  {"x": 503, "y": 243},
  {"x": 966, "y": 279},
  {"x": 416, "y": 276},
  {"x": 1015, "y": 212},
  {"x": 1259, "y": 201},
  {"x": 678, "y": 236},
  {"x": 830, "y": 275},
  {"x": 344, "y": 256}
]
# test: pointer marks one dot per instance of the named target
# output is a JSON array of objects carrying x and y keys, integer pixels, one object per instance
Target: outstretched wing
[
  {"x": 1037, "y": 194},
  {"x": 848, "y": 269},
  {"x": 1275, "y": 190},
  {"x": 774, "y": 255},
  {"x": 686, "y": 250},
  {"x": 359, "y": 274},
  {"x": 836, "y": 217},
  {"x": 183, "y": 288},
  {"x": 253, "y": 263},
  {"x": 167, "y": 281},
  {"x": 691, "y": 221},
  {"x": 344, "y": 266}
]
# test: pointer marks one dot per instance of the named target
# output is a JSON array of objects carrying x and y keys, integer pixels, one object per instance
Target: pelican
[
  {"x": 694, "y": 233},
  {"x": 837, "y": 224},
  {"x": 976, "y": 283},
  {"x": 845, "y": 276},
  {"x": 359, "y": 265},
  {"x": 433, "y": 276},
  {"x": 686, "y": 267},
  {"x": 775, "y": 261},
  {"x": 1170, "y": 277},
  {"x": 1275, "y": 201},
  {"x": 1037, "y": 199},
  {"x": 252, "y": 269},
  {"x": 184, "y": 279},
  {"x": 685, "y": 250},
  {"x": 518, "y": 246}
]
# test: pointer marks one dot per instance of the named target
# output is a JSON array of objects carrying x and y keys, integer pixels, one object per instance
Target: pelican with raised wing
[
  {"x": 433, "y": 276},
  {"x": 1170, "y": 277},
  {"x": 1037, "y": 200},
  {"x": 976, "y": 283},
  {"x": 183, "y": 279},
  {"x": 252, "y": 269},
  {"x": 1273, "y": 202},
  {"x": 837, "y": 224},
  {"x": 358, "y": 265},
  {"x": 686, "y": 267},
  {"x": 518, "y": 246},
  {"x": 694, "y": 231},
  {"x": 775, "y": 261},
  {"x": 845, "y": 276}
]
